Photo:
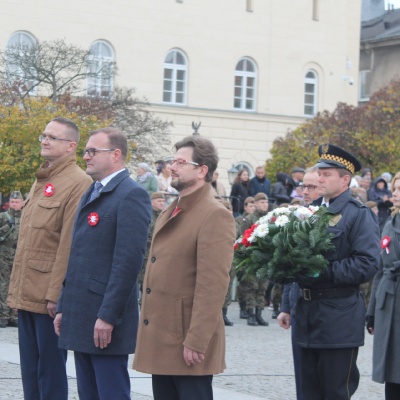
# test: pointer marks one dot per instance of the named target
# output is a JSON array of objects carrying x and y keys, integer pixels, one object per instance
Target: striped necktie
[{"x": 96, "y": 191}]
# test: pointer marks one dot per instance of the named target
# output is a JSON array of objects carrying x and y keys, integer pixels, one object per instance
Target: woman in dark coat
[
  {"x": 239, "y": 192},
  {"x": 383, "y": 316},
  {"x": 380, "y": 193},
  {"x": 282, "y": 188}
]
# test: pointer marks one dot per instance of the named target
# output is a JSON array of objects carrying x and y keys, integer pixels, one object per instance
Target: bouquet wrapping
[{"x": 284, "y": 244}]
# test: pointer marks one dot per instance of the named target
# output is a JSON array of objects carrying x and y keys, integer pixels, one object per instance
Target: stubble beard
[{"x": 181, "y": 185}]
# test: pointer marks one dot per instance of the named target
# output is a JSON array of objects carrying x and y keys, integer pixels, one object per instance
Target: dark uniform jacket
[
  {"x": 103, "y": 268},
  {"x": 339, "y": 322}
]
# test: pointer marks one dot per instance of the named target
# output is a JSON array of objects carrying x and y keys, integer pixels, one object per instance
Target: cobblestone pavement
[{"x": 259, "y": 366}]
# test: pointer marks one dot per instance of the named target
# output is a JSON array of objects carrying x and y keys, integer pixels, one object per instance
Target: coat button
[
  {"x": 146, "y": 322},
  {"x": 148, "y": 290},
  {"x": 153, "y": 259}
]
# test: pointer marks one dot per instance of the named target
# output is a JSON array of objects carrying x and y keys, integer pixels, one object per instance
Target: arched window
[
  {"x": 175, "y": 78},
  {"x": 17, "y": 54},
  {"x": 245, "y": 85},
  {"x": 244, "y": 165},
  {"x": 310, "y": 93},
  {"x": 101, "y": 68}
]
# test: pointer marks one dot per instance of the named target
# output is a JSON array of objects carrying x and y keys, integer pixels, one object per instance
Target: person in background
[
  {"x": 387, "y": 176},
  {"x": 146, "y": 178},
  {"x": 240, "y": 190},
  {"x": 157, "y": 205},
  {"x": 291, "y": 292},
  {"x": 9, "y": 230},
  {"x": 259, "y": 183},
  {"x": 383, "y": 316},
  {"x": 217, "y": 187},
  {"x": 297, "y": 179},
  {"x": 241, "y": 223},
  {"x": 380, "y": 193},
  {"x": 282, "y": 188},
  {"x": 41, "y": 260}
]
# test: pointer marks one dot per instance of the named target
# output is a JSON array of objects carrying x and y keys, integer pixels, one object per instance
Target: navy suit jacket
[{"x": 105, "y": 260}]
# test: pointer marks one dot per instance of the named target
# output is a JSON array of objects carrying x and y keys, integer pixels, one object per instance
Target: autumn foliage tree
[{"x": 371, "y": 132}]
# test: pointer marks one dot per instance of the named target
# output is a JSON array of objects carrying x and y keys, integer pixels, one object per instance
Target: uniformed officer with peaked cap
[{"x": 330, "y": 313}]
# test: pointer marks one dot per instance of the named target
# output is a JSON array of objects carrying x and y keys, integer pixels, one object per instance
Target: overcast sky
[{"x": 396, "y": 3}]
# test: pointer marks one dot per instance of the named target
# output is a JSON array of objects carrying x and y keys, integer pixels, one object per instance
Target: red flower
[
  {"x": 247, "y": 233},
  {"x": 49, "y": 190},
  {"x": 235, "y": 246},
  {"x": 93, "y": 219},
  {"x": 385, "y": 243},
  {"x": 273, "y": 219}
]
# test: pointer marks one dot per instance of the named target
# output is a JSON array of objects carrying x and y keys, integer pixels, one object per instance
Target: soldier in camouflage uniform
[
  {"x": 9, "y": 229},
  {"x": 254, "y": 290},
  {"x": 157, "y": 205},
  {"x": 242, "y": 222}
]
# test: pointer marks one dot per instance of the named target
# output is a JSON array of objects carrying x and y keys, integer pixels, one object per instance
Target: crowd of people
[{"x": 108, "y": 242}]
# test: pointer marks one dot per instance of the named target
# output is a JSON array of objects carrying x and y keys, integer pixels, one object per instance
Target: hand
[
  {"x": 284, "y": 320},
  {"x": 102, "y": 333},
  {"x": 51, "y": 309},
  {"x": 57, "y": 323},
  {"x": 192, "y": 356},
  {"x": 370, "y": 322}
]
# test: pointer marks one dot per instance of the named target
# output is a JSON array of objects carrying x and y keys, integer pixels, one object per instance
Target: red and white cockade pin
[
  {"x": 49, "y": 190},
  {"x": 385, "y": 243},
  {"x": 93, "y": 219}
]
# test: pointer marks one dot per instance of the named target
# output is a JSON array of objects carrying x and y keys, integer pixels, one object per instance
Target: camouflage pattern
[
  {"x": 228, "y": 297},
  {"x": 276, "y": 294},
  {"x": 242, "y": 222},
  {"x": 9, "y": 229},
  {"x": 253, "y": 292},
  {"x": 154, "y": 216}
]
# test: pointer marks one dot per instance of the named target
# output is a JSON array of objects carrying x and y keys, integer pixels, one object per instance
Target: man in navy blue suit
[{"x": 97, "y": 314}]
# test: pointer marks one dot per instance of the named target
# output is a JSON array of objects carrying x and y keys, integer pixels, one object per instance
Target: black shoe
[
  {"x": 260, "y": 320},
  {"x": 226, "y": 320},
  {"x": 275, "y": 312},
  {"x": 251, "y": 319},
  {"x": 243, "y": 313}
]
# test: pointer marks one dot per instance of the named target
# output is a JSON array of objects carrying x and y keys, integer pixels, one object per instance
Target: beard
[{"x": 180, "y": 185}]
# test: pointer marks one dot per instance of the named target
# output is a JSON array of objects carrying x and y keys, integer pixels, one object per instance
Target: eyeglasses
[
  {"x": 52, "y": 138},
  {"x": 182, "y": 163},
  {"x": 310, "y": 188},
  {"x": 92, "y": 152}
]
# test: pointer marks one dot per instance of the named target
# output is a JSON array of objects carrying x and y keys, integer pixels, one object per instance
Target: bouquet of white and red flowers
[{"x": 284, "y": 244}]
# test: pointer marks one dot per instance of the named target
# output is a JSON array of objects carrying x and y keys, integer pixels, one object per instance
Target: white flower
[
  {"x": 314, "y": 209},
  {"x": 282, "y": 220},
  {"x": 303, "y": 213},
  {"x": 252, "y": 238},
  {"x": 281, "y": 211},
  {"x": 265, "y": 219},
  {"x": 261, "y": 230}
]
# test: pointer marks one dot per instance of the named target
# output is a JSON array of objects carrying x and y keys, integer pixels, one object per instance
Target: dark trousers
[
  {"x": 178, "y": 387},
  {"x": 329, "y": 374},
  {"x": 296, "y": 360},
  {"x": 102, "y": 377},
  {"x": 392, "y": 391},
  {"x": 43, "y": 370}
]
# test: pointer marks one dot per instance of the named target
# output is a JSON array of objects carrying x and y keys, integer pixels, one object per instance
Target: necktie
[{"x": 96, "y": 191}]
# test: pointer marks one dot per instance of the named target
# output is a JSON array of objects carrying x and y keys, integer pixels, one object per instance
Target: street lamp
[{"x": 232, "y": 174}]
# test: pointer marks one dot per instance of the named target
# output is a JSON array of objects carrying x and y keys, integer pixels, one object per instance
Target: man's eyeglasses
[
  {"x": 310, "y": 188},
  {"x": 52, "y": 138},
  {"x": 92, "y": 152},
  {"x": 182, "y": 163}
]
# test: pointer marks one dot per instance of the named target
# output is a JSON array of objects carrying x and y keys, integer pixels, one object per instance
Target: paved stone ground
[{"x": 259, "y": 364}]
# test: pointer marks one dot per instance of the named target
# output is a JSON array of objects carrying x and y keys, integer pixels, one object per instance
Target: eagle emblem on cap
[{"x": 325, "y": 148}]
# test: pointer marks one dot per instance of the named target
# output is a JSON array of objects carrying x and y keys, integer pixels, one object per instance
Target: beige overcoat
[{"x": 185, "y": 284}]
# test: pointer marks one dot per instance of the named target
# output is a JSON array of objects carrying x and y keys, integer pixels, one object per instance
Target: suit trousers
[
  {"x": 43, "y": 369},
  {"x": 102, "y": 377},
  {"x": 179, "y": 387},
  {"x": 329, "y": 374},
  {"x": 296, "y": 360}
]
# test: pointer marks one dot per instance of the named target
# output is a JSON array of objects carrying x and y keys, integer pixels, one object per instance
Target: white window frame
[
  {"x": 175, "y": 86},
  {"x": 364, "y": 77},
  {"x": 102, "y": 58},
  {"x": 241, "y": 99},
  {"x": 314, "y": 82},
  {"x": 21, "y": 39}
]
